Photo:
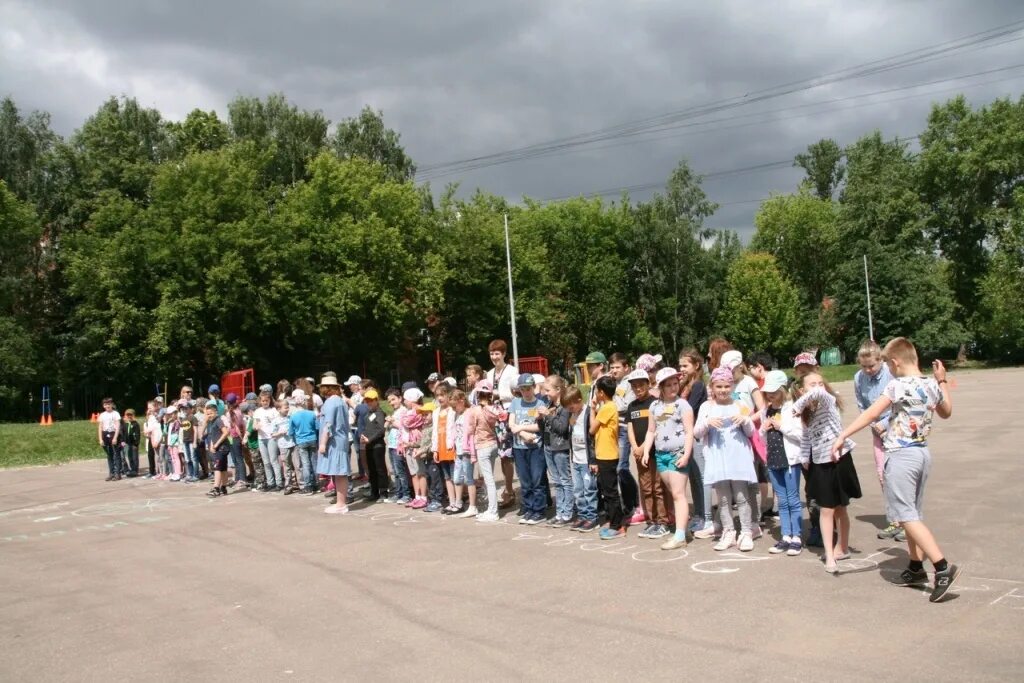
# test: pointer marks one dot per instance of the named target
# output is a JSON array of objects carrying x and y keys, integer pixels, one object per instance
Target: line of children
[{"x": 433, "y": 449}]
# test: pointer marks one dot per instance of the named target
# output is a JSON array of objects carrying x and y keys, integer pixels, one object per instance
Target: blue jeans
[
  {"x": 191, "y": 455},
  {"x": 530, "y": 465},
  {"x": 307, "y": 462},
  {"x": 628, "y": 488},
  {"x": 238, "y": 460},
  {"x": 402, "y": 487},
  {"x": 786, "y": 483},
  {"x": 560, "y": 474},
  {"x": 584, "y": 486}
]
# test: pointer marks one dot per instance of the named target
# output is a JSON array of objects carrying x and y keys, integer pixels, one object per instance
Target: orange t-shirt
[{"x": 444, "y": 454}]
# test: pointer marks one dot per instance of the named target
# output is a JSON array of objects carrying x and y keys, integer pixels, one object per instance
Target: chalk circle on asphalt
[{"x": 129, "y": 507}]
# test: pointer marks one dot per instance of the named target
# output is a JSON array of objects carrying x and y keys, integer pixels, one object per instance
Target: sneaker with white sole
[
  {"x": 638, "y": 517},
  {"x": 943, "y": 582},
  {"x": 487, "y": 517},
  {"x": 646, "y": 533},
  {"x": 888, "y": 532},
  {"x": 470, "y": 512},
  {"x": 659, "y": 531},
  {"x": 795, "y": 548},
  {"x": 746, "y": 543},
  {"x": 707, "y": 531},
  {"x": 727, "y": 541},
  {"x": 779, "y": 548}
]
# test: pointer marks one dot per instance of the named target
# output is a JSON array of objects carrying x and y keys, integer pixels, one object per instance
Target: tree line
[{"x": 139, "y": 249}]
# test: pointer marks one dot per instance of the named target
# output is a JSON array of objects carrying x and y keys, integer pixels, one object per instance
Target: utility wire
[{"x": 981, "y": 40}]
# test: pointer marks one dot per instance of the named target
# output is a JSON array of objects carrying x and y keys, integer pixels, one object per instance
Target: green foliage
[
  {"x": 366, "y": 136},
  {"x": 801, "y": 232},
  {"x": 762, "y": 308},
  {"x": 823, "y": 163},
  {"x": 1002, "y": 289},
  {"x": 972, "y": 163},
  {"x": 910, "y": 297},
  {"x": 294, "y": 136},
  {"x": 143, "y": 249}
]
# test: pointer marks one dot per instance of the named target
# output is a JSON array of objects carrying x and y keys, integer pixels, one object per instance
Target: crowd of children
[{"x": 748, "y": 433}]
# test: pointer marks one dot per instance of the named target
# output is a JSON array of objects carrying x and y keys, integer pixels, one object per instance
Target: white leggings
[{"x": 485, "y": 458}]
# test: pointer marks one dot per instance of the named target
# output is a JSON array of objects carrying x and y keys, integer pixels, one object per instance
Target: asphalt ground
[{"x": 148, "y": 580}]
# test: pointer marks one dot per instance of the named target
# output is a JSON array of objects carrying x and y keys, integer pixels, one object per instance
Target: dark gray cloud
[{"x": 464, "y": 78}]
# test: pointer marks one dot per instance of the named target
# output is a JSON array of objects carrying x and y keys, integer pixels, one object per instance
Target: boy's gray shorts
[{"x": 906, "y": 473}]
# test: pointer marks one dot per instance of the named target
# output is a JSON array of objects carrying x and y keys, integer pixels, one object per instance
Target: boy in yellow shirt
[{"x": 604, "y": 427}]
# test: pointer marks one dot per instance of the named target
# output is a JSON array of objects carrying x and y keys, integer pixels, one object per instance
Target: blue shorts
[
  {"x": 666, "y": 462},
  {"x": 464, "y": 469}
]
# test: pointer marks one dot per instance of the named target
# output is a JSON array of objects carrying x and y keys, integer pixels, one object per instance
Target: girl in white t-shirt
[{"x": 746, "y": 391}]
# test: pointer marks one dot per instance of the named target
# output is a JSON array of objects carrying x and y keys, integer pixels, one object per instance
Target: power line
[
  {"x": 771, "y": 165},
  {"x": 698, "y": 127},
  {"x": 981, "y": 40}
]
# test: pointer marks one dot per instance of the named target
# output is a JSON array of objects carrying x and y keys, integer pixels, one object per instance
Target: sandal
[
  {"x": 213, "y": 493},
  {"x": 507, "y": 502},
  {"x": 832, "y": 569}
]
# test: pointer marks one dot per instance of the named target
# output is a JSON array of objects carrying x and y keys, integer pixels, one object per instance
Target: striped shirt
[{"x": 824, "y": 428}]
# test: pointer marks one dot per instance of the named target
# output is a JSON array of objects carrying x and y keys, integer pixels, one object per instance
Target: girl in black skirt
[{"x": 832, "y": 483}]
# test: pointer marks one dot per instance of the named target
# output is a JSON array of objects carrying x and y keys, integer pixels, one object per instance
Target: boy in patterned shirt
[{"x": 913, "y": 400}]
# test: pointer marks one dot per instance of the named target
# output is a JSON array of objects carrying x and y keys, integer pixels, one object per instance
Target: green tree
[
  {"x": 294, "y": 136},
  {"x": 21, "y": 257},
  {"x": 201, "y": 131},
  {"x": 910, "y": 297},
  {"x": 880, "y": 203},
  {"x": 366, "y": 136},
  {"x": 666, "y": 257},
  {"x": 26, "y": 144},
  {"x": 823, "y": 163},
  {"x": 801, "y": 232},
  {"x": 1002, "y": 289},
  {"x": 971, "y": 164},
  {"x": 762, "y": 308}
]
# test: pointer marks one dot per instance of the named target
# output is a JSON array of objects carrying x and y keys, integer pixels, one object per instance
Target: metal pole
[
  {"x": 511, "y": 297},
  {"x": 867, "y": 288}
]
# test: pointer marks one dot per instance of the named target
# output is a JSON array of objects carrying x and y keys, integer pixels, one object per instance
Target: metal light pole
[
  {"x": 511, "y": 297},
  {"x": 867, "y": 288}
]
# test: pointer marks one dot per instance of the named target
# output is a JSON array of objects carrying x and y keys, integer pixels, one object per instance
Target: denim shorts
[
  {"x": 447, "y": 469},
  {"x": 666, "y": 462},
  {"x": 463, "y": 469}
]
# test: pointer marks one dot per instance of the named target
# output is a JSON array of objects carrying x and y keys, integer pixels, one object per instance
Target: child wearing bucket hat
[{"x": 669, "y": 438}]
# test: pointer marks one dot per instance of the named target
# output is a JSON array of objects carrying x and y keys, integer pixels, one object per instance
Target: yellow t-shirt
[{"x": 606, "y": 439}]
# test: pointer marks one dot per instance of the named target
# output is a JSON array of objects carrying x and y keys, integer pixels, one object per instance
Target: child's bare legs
[
  {"x": 827, "y": 524},
  {"x": 453, "y": 501},
  {"x": 921, "y": 543},
  {"x": 341, "y": 486},
  {"x": 843, "y": 521},
  {"x": 676, "y": 485},
  {"x": 471, "y": 493},
  {"x": 420, "y": 485}
]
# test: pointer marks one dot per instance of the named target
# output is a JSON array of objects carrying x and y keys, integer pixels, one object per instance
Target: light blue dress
[
  {"x": 334, "y": 420},
  {"x": 728, "y": 455}
]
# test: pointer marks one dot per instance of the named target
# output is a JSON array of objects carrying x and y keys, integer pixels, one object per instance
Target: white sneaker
[
  {"x": 746, "y": 543},
  {"x": 487, "y": 517},
  {"x": 727, "y": 541},
  {"x": 471, "y": 511},
  {"x": 707, "y": 531},
  {"x": 336, "y": 509}
]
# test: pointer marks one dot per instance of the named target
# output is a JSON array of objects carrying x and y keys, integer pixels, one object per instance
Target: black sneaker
[
  {"x": 909, "y": 577},
  {"x": 587, "y": 526},
  {"x": 213, "y": 493},
  {"x": 944, "y": 581}
]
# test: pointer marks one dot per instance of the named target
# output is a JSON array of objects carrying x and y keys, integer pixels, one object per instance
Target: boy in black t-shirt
[
  {"x": 638, "y": 413},
  {"x": 215, "y": 436}
]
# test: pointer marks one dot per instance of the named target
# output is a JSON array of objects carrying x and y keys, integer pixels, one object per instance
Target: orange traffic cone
[
  {"x": 49, "y": 420},
  {"x": 95, "y": 417},
  {"x": 42, "y": 420}
]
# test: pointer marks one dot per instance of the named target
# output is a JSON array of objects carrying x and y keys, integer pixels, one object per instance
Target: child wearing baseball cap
[
  {"x": 669, "y": 436},
  {"x": 783, "y": 435}
]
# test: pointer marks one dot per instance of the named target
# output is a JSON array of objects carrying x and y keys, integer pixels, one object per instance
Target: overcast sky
[{"x": 466, "y": 78}]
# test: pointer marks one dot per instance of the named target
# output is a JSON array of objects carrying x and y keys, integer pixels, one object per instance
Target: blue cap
[
  {"x": 214, "y": 389},
  {"x": 409, "y": 385},
  {"x": 526, "y": 380}
]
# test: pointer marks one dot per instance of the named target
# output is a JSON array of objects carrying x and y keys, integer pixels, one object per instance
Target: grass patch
[
  {"x": 31, "y": 444},
  {"x": 838, "y": 373}
]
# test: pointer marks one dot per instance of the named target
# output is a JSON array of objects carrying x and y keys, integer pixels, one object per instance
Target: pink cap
[
  {"x": 805, "y": 358},
  {"x": 484, "y": 386},
  {"x": 721, "y": 375}
]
